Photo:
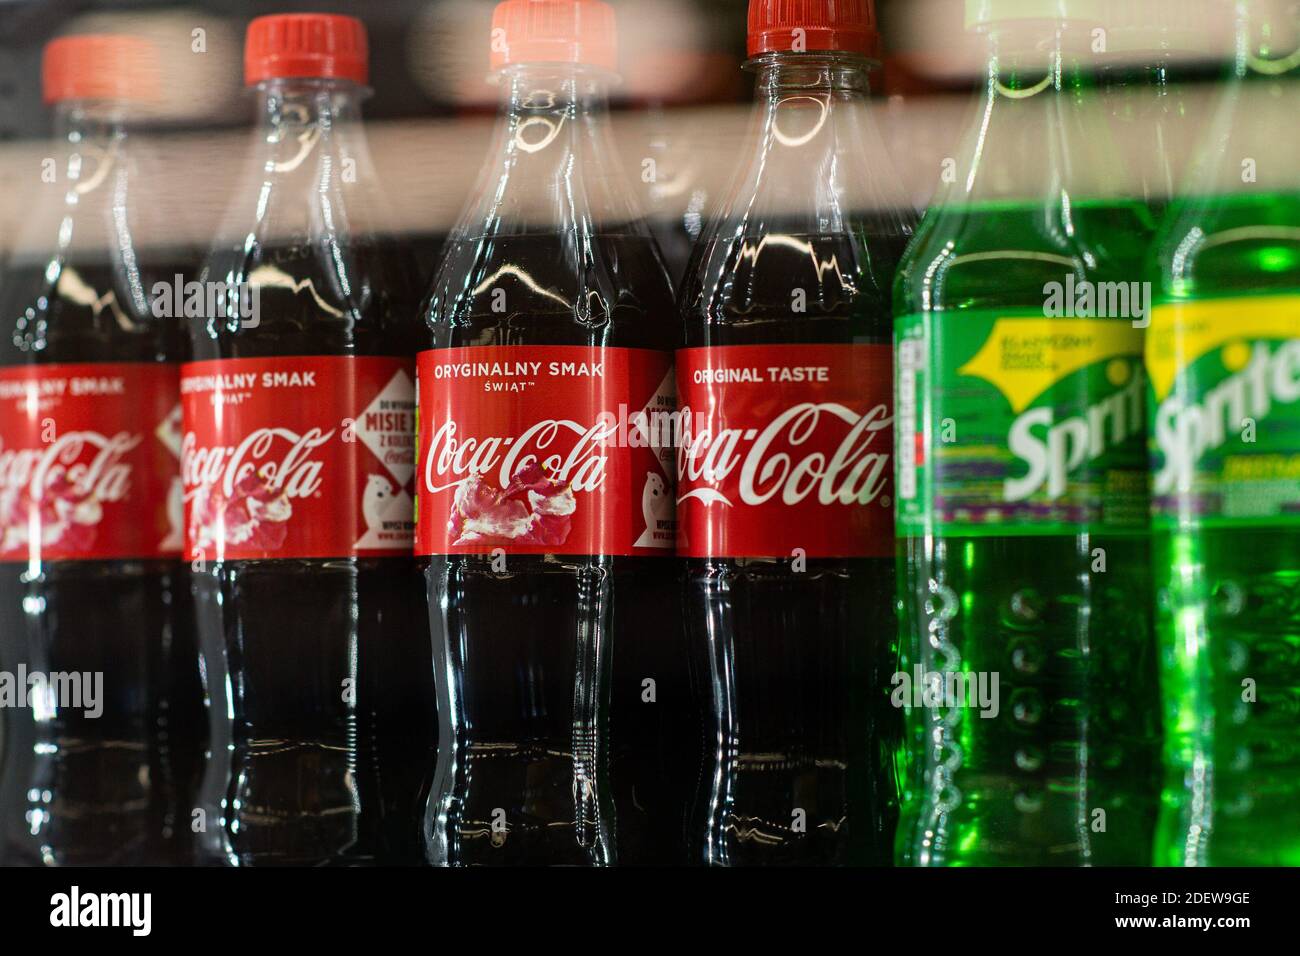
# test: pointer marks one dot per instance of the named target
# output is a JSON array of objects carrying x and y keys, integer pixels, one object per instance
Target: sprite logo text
[
  {"x": 1185, "y": 431},
  {"x": 1052, "y": 450}
]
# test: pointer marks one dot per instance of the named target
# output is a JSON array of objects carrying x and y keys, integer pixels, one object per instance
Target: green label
[
  {"x": 1017, "y": 424},
  {"x": 1225, "y": 411}
]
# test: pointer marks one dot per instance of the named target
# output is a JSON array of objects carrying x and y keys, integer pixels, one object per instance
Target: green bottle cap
[{"x": 986, "y": 13}]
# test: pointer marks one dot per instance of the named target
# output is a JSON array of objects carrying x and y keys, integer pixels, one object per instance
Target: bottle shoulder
[
  {"x": 1001, "y": 255},
  {"x": 598, "y": 288},
  {"x": 338, "y": 293},
  {"x": 758, "y": 277},
  {"x": 1243, "y": 243},
  {"x": 95, "y": 307}
]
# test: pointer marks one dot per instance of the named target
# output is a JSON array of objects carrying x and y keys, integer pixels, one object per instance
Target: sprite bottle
[
  {"x": 1223, "y": 360},
  {"x": 1028, "y": 668}
]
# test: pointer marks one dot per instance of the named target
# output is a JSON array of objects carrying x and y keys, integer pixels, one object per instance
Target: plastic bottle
[
  {"x": 786, "y": 498},
  {"x": 299, "y": 479},
  {"x": 101, "y": 760},
  {"x": 1222, "y": 356},
  {"x": 546, "y": 520},
  {"x": 1024, "y": 567}
]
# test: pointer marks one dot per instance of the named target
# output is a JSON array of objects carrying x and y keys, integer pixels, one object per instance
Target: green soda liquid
[
  {"x": 1223, "y": 356},
  {"x": 1023, "y": 544}
]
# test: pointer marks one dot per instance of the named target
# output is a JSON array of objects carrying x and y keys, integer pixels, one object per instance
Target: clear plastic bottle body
[
  {"x": 1057, "y": 610},
  {"x": 116, "y": 788},
  {"x": 300, "y": 771},
  {"x": 1226, "y": 589},
  {"x": 537, "y": 662},
  {"x": 792, "y": 663},
  {"x": 1154, "y": 122}
]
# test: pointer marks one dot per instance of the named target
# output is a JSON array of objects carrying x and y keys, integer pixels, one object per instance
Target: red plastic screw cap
[
  {"x": 806, "y": 26},
  {"x": 307, "y": 46},
  {"x": 554, "y": 31},
  {"x": 99, "y": 67}
]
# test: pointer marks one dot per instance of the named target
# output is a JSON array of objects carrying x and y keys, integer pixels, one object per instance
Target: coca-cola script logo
[
  {"x": 854, "y": 473},
  {"x": 785, "y": 450},
  {"x": 500, "y": 469},
  {"x": 244, "y": 493},
  {"x": 536, "y": 475},
  {"x": 57, "y": 493}
]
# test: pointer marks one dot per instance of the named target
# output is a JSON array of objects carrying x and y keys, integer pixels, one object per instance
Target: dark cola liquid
[
  {"x": 528, "y": 657},
  {"x": 119, "y": 788},
  {"x": 296, "y": 775},
  {"x": 794, "y": 666}
]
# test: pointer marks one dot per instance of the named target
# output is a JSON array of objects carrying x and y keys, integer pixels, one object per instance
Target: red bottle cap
[
  {"x": 554, "y": 31},
  {"x": 806, "y": 26},
  {"x": 307, "y": 46},
  {"x": 99, "y": 67}
]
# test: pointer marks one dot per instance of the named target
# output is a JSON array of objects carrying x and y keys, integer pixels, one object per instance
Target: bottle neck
[
  {"x": 554, "y": 165},
  {"x": 548, "y": 103},
  {"x": 1245, "y": 143},
  {"x": 819, "y": 166},
  {"x": 309, "y": 150},
  {"x": 1021, "y": 67},
  {"x": 290, "y": 107},
  {"x": 811, "y": 100},
  {"x": 534, "y": 91},
  {"x": 96, "y": 122},
  {"x": 98, "y": 225},
  {"x": 835, "y": 76},
  {"x": 1152, "y": 74},
  {"x": 100, "y": 172},
  {"x": 1041, "y": 135}
]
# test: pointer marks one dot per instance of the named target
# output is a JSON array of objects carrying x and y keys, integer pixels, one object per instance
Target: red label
[
  {"x": 786, "y": 448},
  {"x": 88, "y": 462},
  {"x": 299, "y": 457},
  {"x": 546, "y": 450}
]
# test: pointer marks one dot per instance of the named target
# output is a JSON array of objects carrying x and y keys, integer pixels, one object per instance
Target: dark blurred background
[
  {"x": 430, "y": 56},
  {"x": 683, "y": 98}
]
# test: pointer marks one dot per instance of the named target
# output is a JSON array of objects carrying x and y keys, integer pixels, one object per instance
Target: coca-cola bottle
[
  {"x": 298, "y": 462},
  {"x": 546, "y": 519},
  {"x": 102, "y": 706},
  {"x": 785, "y": 474}
]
